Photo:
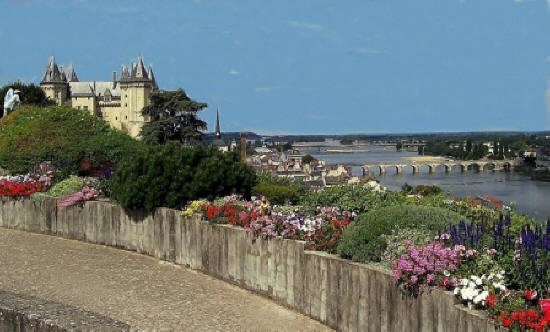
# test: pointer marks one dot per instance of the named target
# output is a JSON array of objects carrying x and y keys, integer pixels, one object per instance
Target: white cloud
[
  {"x": 372, "y": 51},
  {"x": 306, "y": 25},
  {"x": 263, "y": 89},
  {"x": 233, "y": 71}
]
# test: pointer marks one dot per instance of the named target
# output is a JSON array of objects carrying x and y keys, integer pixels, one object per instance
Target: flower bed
[
  {"x": 488, "y": 265},
  {"x": 321, "y": 231}
]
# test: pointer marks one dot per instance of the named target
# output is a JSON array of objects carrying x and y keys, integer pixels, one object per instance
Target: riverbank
[{"x": 427, "y": 159}]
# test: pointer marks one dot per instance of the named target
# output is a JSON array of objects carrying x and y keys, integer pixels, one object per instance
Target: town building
[{"x": 118, "y": 101}]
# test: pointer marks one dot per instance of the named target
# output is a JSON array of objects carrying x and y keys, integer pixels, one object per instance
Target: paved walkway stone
[{"x": 135, "y": 289}]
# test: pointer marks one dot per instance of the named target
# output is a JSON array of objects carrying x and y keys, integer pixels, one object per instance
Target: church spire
[{"x": 218, "y": 132}]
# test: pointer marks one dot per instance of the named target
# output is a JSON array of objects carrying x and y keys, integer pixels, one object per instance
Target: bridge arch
[{"x": 489, "y": 166}]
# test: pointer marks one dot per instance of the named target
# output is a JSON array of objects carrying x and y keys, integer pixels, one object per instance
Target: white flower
[
  {"x": 463, "y": 282},
  {"x": 456, "y": 291},
  {"x": 479, "y": 282},
  {"x": 446, "y": 273},
  {"x": 477, "y": 299}
]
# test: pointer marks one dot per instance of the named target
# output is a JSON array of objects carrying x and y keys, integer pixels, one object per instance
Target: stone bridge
[{"x": 462, "y": 166}]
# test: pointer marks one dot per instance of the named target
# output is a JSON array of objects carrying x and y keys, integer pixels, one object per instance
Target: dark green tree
[
  {"x": 468, "y": 145},
  {"x": 173, "y": 117},
  {"x": 29, "y": 94},
  {"x": 308, "y": 159},
  {"x": 170, "y": 176}
]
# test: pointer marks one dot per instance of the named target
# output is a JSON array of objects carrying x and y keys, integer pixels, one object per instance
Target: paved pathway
[{"x": 135, "y": 289}]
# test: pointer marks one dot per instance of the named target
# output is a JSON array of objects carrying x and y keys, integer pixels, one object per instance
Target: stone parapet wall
[
  {"x": 23, "y": 313},
  {"x": 344, "y": 295}
]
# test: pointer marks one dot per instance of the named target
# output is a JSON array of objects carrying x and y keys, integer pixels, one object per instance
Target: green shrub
[
  {"x": 67, "y": 186},
  {"x": 276, "y": 194},
  {"x": 424, "y": 190},
  {"x": 170, "y": 176},
  {"x": 359, "y": 199},
  {"x": 279, "y": 190},
  {"x": 365, "y": 239},
  {"x": 62, "y": 135}
]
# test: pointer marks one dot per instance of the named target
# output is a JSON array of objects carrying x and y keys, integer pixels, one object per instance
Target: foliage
[
  {"x": 356, "y": 199},
  {"x": 425, "y": 190},
  {"x": 29, "y": 94},
  {"x": 279, "y": 190},
  {"x": 307, "y": 159},
  {"x": 63, "y": 136},
  {"x": 363, "y": 241},
  {"x": 173, "y": 117},
  {"x": 171, "y": 176},
  {"x": 67, "y": 186},
  {"x": 277, "y": 194},
  {"x": 456, "y": 149}
]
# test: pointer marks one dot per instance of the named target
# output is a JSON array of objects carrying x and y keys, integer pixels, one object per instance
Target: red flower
[
  {"x": 491, "y": 300},
  {"x": 530, "y": 295}
]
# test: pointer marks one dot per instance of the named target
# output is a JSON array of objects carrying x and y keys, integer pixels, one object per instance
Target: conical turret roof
[{"x": 52, "y": 73}]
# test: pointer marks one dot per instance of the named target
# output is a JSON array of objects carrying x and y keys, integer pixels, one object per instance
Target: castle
[{"x": 118, "y": 101}]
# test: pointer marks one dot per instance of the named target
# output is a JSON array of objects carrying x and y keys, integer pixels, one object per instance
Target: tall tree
[
  {"x": 468, "y": 145},
  {"x": 173, "y": 117}
]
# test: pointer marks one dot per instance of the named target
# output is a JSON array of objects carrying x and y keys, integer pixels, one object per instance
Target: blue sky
[{"x": 308, "y": 66}]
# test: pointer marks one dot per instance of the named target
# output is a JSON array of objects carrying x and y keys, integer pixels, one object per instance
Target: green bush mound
[
  {"x": 358, "y": 199},
  {"x": 366, "y": 239},
  {"x": 279, "y": 190},
  {"x": 62, "y": 135},
  {"x": 170, "y": 176},
  {"x": 425, "y": 190},
  {"x": 67, "y": 186}
]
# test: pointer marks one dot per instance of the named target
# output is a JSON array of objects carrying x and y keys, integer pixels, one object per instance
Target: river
[{"x": 529, "y": 196}]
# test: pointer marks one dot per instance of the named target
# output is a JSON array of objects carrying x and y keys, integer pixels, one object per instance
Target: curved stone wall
[
  {"x": 24, "y": 313},
  {"x": 342, "y": 294}
]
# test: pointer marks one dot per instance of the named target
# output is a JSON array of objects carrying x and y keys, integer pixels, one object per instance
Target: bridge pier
[
  {"x": 416, "y": 169},
  {"x": 398, "y": 169},
  {"x": 448, "y": 168}
]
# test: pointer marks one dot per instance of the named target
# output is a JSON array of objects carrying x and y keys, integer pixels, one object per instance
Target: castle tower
[
  {"x": 136, "y": 86},
  {"x": 54, "y": 82}
]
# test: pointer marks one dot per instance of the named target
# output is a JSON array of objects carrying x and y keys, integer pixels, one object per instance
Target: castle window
[
  {"x": 126, "y": 117},
  {"x": 116, "y": 118},
  {"x": 85, "y": 108},
  {"x": 125, "y": 104}
]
